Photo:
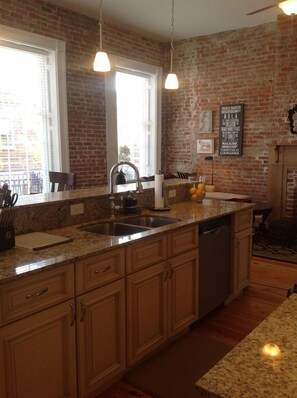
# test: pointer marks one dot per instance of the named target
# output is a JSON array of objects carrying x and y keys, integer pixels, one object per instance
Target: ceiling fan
[{"x": 289, "y": 7}]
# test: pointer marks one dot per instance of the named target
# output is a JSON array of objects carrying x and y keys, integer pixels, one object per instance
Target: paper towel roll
[{"x": 159, "y": 200}]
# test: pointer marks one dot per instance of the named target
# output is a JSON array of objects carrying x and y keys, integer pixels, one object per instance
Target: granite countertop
[
  {"x": 20, "y": 262},
  {"x": 248, "y": 371}
]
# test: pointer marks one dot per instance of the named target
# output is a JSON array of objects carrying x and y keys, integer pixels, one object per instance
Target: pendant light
[
  {"x": 101, "y": 61},
  {"x": 171, "y": 82},
  {"x": 289, "y": 7}
]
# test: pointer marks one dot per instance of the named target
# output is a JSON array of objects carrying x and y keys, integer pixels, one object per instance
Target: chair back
[
  {"x": 65, "y": 181},
  {"x": 185, "y": 175}
]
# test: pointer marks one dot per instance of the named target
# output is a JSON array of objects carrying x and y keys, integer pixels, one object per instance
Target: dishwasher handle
[{"x": 213, "y": 231}]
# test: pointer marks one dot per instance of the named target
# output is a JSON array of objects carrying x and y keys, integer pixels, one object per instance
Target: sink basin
[
  {"x": 114, "y": 229},
  {"x": 150, "y": 221}
]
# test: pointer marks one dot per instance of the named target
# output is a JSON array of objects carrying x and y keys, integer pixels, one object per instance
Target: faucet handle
[{"x": 139, "y": 188}]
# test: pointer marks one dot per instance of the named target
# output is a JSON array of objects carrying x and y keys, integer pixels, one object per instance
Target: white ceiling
[{"x": 192, "y": 17}]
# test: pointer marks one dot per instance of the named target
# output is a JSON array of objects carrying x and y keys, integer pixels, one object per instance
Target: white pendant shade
[
  {"x": 171, "y": 82},
  {"x": 289, "y": 7},
  {"x": 101, "y": 62}
]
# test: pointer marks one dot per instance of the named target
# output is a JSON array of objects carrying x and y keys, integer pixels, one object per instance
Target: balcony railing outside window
[{"x": 23, "y": 183}]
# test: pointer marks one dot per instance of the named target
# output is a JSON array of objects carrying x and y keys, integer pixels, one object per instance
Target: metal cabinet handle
[
  {"x": 83, "y": 309},
  {"x": 166, "y": 273},
  {"x": 170, "y": 271},
  {"x": 72, "y": 307},
  {"x": 37, "y": 294},
  {"x": 102, "y": 270}
]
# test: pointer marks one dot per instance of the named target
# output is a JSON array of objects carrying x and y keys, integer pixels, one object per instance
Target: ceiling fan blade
[{"x": 263, "y": 9}]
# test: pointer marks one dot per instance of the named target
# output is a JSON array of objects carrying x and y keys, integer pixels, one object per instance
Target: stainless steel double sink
[{"x": 129, "y": 226}]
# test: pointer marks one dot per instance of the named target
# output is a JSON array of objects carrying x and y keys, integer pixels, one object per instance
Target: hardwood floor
[{"x": 270, "y": 281}]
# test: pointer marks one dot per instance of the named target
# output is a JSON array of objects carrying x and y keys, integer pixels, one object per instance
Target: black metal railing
[{"x": 23, "y": 183}]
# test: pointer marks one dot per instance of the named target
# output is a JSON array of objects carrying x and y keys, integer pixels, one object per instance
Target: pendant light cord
[
  {"x": 100, "y": 24},
  {"x": 171, "y": 38}
]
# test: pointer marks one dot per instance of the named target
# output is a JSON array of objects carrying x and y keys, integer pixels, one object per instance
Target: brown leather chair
[{"x": 65, "y": 181}]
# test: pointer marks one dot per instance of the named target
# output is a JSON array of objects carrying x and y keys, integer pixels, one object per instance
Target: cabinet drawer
[
  {"x": 243, "y": 220},
  {"x": 34, "y": 293},
  {"x": 183, "y": 240},
  {"x": 98, "y": 270},
  {"x": 146, "y": 253}
]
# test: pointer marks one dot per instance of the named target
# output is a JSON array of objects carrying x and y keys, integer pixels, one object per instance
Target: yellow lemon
[
  {"x": 201, "y": 186},
  {"x": 194, "y": 197},
  {"x": 193, "y": 190}
]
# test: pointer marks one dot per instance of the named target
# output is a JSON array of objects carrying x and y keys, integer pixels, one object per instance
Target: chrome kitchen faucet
[{"x": 113, "y": 207}]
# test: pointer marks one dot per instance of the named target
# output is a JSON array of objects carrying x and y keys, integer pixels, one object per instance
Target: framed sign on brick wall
[
  {"x": 205, "y": 122},
  {"x": 231, "y": 130}
]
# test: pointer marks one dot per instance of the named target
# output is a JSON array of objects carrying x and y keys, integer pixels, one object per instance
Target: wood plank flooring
[{"x": 270, "y": 281}]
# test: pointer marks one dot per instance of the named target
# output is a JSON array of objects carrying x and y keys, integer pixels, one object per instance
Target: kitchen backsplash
[{"x": 50, "y": 211}]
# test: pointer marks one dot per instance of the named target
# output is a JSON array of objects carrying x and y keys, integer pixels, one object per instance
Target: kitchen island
[
  {"x": 18, "y": 262},
  {"x": 79, "y": 315},
  {"x": 263, "y": 365}
]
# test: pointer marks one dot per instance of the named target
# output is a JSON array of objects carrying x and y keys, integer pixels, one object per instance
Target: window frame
[
  {"x": 57, "y": 87},
  {"x": 119, "y": 63}
]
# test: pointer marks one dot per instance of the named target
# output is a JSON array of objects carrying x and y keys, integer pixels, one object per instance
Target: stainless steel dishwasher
[{"x": 214, "y": 263}]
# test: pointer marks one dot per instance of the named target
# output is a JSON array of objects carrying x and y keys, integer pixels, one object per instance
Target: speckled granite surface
[
  {"x": 52, "y": 210},
  {"x": 20, "y": 262},
  {"x": 247, "y": 373}
]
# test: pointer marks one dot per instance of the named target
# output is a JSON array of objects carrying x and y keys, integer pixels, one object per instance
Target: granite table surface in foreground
[{"x": 248, "y": 371}]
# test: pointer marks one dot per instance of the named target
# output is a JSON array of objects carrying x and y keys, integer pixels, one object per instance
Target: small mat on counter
[{"x": 39, "y": 240}]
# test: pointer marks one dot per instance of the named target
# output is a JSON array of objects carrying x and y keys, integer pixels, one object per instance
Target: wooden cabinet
[
  {"x": 101, "y": 328},
  {"x": 37, "y": 355},
  {"x": 94, "y": 271},
  {"x": 182, "y": 240},
  {"x": 146, "y": 311},
  {"x": 162, "y": 300},
  {"x": 29, "y": 295},
  {"x": 145, "y": 253},
  {"x": 242, "y": 259},
  {"x": 182, "y": 291},
  {"x": 242, "y": 250},
  {"x": 37, "y": 336}
]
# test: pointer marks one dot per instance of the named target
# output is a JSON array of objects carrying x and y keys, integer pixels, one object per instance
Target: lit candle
[{"x": 271, "y": 350}]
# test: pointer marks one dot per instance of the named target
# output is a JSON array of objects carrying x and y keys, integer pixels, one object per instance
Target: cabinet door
[
  {"x": 147, "y": 252},
  {"x": 182, "y": 240},
  {"x": 101, "y": 336},
  {"x": 37, "y": 355},
  {"x": 183, "y": 291},
  {"x": 146, "y": 311},
  {"x": 242, "y": 259}
]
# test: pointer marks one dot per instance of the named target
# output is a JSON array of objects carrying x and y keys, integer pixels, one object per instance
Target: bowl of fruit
[{"x": 197, "y": 192}]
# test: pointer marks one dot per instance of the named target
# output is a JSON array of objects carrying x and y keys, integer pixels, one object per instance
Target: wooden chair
[{"x": 65, "y": 181}]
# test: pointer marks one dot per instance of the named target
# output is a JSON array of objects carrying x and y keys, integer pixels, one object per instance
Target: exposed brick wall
[
  {"x": 85, "y": 88},
  {"x": 255, "y": 66}
]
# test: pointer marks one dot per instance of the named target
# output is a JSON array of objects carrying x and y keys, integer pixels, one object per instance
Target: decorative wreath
[{"x": 293, "y": 119}]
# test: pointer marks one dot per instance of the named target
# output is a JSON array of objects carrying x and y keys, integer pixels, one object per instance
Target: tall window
[
  {"x": 30, "y": 140},
  {"x": 133, "y": 116}
]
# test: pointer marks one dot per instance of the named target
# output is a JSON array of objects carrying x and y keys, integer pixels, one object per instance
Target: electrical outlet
[
  {"x": 172, "y": 193},
  {"x": 77, "y": 209}
]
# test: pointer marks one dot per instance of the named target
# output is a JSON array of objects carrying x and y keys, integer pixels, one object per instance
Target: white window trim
[
  {"x": 110, "y": 98},
  {"x": 21, "y": 37}
]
